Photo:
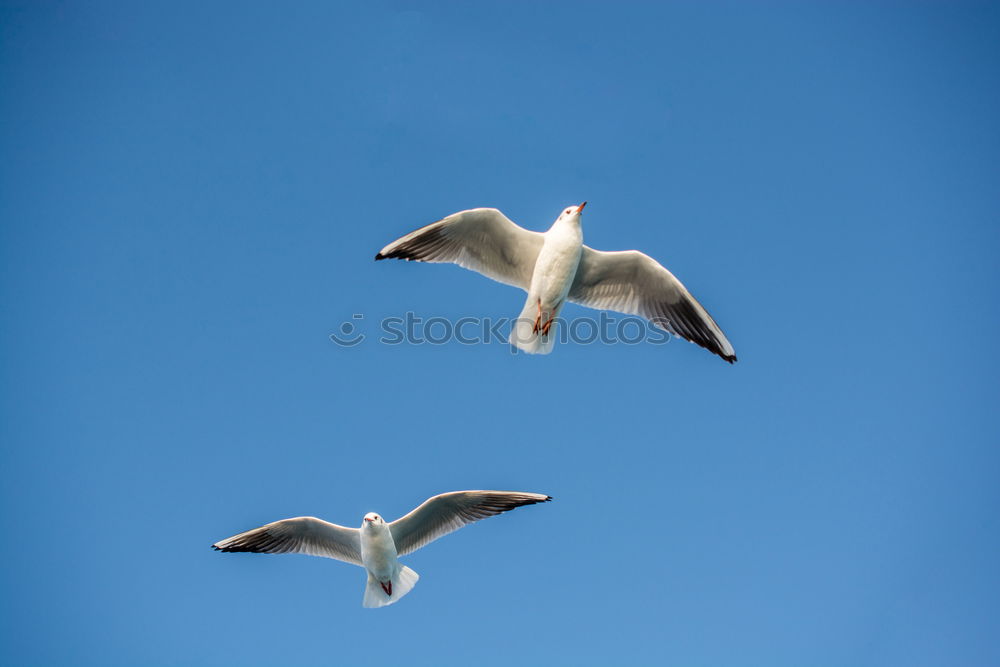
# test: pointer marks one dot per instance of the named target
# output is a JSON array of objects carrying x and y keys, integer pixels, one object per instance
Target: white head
[
  {"x": 372, "y": 519},
  {"x": 572, "y": 213}
]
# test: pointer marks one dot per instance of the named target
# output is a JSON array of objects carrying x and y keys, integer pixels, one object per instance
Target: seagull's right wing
[
  {"x": 448, "y": 512},
  {"x": 301, "y": 535},
  {"x": 481, "y": 239},
  {"x": 632, "y": 282}
]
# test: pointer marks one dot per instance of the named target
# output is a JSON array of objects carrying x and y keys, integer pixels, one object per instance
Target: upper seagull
[
  {"x": 555, "y": 267},
  {"x": 377, "y": 545}
]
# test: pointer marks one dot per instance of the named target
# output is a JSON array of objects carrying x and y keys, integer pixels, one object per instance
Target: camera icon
[{"x": 348, "y": 335}]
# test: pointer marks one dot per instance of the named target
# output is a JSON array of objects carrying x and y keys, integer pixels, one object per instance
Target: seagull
[
  {"x": 377, "y": 545},
  {"x": 556, "y": 267}
]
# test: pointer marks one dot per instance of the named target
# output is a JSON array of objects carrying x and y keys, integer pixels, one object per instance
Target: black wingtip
[{"x": 379, "y": 256}]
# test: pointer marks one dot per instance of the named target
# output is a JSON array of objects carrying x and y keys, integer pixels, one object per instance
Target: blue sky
[{"x": 190, "y": 199}]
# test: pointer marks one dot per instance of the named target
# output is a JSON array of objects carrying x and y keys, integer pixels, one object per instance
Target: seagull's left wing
[
  {"x": 481, "y": 239},
  {"x": 301, "y": 535},
  {"x": 448, "y": 512},
  {"x": 634, "y": 283}
]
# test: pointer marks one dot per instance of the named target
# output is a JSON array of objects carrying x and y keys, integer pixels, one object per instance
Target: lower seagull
[{"x": 377, "y": 545}]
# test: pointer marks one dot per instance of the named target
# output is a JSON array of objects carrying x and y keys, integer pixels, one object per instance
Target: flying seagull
[
  {"x": 556, "y": 267},
  {"x": 377, "y": 544}
]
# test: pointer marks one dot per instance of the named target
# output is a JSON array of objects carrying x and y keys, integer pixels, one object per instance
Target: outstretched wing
[
  {"x": 301, "y": 535},
  {"x": 634, "y": 283},
  {"x": 481, "y": 239},
  {"x": 448, "y": 512}
]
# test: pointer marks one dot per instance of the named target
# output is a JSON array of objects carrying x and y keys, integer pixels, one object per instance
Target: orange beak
[{"x": 580, "y": 210}]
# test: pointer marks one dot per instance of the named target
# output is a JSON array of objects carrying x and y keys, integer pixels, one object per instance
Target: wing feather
[
  {"x": 634, "y": 283},
  {"x": 301, "y": 535},
  {"x": 480, "y": 239},
  {"x": 448, "y": 512}
]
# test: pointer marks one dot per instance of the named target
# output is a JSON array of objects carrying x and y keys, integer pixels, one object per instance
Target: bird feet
[
  {"x": 387, "y": 587},
  {"x": 539, "y": 326}
]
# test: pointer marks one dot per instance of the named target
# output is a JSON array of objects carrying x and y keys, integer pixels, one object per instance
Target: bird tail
[
  {"x": 402, "y": 583},
  {"x": 523, "y": 335}
]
